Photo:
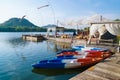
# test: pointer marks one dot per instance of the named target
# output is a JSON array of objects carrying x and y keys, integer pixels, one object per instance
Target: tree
[{"x": 117, "y": 20}]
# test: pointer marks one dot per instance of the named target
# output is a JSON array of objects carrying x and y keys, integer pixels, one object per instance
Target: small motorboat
[{"x": 66, "y": 63}]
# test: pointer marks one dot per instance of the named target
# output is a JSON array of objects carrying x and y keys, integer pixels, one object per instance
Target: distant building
[{"x": 54, "y": 29}]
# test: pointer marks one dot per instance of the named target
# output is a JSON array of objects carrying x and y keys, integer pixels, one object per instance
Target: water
[{"x": 16, "y": 57}]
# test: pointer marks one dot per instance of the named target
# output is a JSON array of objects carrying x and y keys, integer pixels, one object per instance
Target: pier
[{"x": 34, "y": 38}]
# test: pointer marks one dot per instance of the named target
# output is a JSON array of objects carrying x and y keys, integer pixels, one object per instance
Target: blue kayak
[
  {"x": 77, "y": 47},
  {"x": 66, "y": 57},
  {"x": 83, "y": 48},
  {"x": 70, "y": 50},
  {"x": 66, "y": 63},
  {"x": 57, "y": 63}
]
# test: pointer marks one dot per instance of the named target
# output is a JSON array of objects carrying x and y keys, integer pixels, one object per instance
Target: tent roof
[{"x": 110, "y": 22}]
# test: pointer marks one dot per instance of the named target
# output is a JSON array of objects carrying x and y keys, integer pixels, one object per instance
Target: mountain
[
  {"x": 15, "y": 22},
  {"x": 49, "y": 25},
  {"x": 19, "y": 25},
  {"x": 23, "y": 25}
]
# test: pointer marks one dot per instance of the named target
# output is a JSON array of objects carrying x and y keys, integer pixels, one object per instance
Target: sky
[{"x": 58, "y": 10}]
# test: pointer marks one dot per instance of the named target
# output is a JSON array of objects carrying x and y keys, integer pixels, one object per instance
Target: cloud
[{"x": 98, "y": 4}]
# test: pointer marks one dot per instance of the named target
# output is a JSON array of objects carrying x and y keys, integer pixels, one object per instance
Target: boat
[
  {"x": 84, "y": 48},
  {"x": 77, "y": 47},
  {"x": 66, "y": 63},
  {"x": 67, "y": 59},
  {"x": 100, "y": 54},
  {"x": 67, "y": 50}
]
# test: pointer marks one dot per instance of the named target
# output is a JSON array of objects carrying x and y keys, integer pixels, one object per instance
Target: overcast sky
[{"x": 61, "y": 10}]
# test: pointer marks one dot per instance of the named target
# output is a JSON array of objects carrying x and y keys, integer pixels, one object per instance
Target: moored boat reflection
[{"x": 55, "y": 72}]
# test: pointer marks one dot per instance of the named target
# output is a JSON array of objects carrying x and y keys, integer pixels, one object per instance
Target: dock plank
[
  {"x": 98, "y": 73},
  {"x": 108, "y": 66},
  {"x": 102, "y": 74},
  {"x": 107, "y": 72}
]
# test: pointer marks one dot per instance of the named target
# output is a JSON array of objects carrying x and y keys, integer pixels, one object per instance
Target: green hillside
[
  {"x": 24, "y": 25},
  {"x": 15, "y": 22},
  {"x": 19, "y": 25}
]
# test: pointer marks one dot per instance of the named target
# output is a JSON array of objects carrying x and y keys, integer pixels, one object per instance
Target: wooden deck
[
  {"x": 109, "y": 69},
  {"x": 64, "y": 40},
  {"x": 35, "y": 38}
]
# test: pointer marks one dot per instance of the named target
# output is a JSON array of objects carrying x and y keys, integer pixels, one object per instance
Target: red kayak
[
  {"x": 94, "y": 54},
  {"x": 89, "y": 61}
]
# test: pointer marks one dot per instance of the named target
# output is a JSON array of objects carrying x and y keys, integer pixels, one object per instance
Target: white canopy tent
[
  {"x": 114, "y": 28},
  {"x": 82, "y": 22},
  {"x": 102, "y": 27}
]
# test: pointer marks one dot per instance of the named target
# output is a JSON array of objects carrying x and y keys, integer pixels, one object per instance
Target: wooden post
[
  {"x": 89, "y": 40},
  {"x": 48, "y": 30},
  {"x": 118, "y": 49}
]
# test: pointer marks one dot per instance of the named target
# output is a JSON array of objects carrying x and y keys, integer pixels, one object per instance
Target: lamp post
[{"x": 42, "y": 6}]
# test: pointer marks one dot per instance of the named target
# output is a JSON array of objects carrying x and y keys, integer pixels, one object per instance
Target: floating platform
[{"x": 35, "y": 38}]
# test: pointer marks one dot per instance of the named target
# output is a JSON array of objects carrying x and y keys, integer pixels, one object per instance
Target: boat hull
[
  {"x": 83, "y": 48},
  {"x": 66, "y": 63}
]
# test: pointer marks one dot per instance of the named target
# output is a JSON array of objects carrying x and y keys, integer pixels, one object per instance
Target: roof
[{"x": 113, "y": 22}]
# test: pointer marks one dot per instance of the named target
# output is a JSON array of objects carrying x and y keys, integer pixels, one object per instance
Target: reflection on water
[
  {"x": 17, "y": 42},
  {"x": 55, "y": 72},
  {"x": 57, "y": 46},
  {"x": 63, "y": 45}
]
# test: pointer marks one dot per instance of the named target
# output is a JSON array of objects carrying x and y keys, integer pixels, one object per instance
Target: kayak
[
  {"x": 83, "y": 48},
  {"x": 66, "y": 63},
  {"x": 94, "y": 54},
  {"x": 78, "y": 47},
  {"x": 78, "y": 57},
  {"x": 69, "y": 50}
]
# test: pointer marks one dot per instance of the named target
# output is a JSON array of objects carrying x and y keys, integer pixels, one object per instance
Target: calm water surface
[{"x": 17, "y": 55}]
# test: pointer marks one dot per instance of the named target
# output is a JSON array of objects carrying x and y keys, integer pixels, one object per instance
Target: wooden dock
[
  {"x": 35, "y": 38},
  {"x": 57, "y": 39},
  {"x": 108, "y": 69},
  {"x": 68, "y": 40}
]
